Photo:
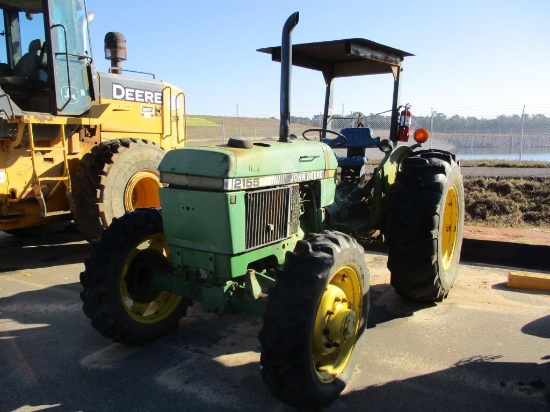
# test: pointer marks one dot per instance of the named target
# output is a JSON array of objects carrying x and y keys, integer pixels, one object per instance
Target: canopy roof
[{"x": 343, "y": 58}]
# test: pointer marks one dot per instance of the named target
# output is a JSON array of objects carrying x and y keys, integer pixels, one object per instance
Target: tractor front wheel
[
  {"x": 425, "y": 226},
  {"x": 315, "y": 321},
  {"x": 118, "y": 295},
  {"x": 115, "y": 177}
]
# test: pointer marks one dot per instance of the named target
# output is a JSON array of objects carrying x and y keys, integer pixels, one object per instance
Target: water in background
[
  {"x": 494, "y": 147},
  {"x": 541, "y": 154}
]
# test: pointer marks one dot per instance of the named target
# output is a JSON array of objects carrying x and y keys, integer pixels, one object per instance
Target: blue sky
[{"x": 479, "y": 58}]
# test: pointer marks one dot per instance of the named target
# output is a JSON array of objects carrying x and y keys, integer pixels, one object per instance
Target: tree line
[
  {"x": 534, "y": 123},
  {"x": 439, "y": 122}
]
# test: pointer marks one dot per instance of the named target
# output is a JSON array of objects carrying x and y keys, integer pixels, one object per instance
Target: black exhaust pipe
[{"x": 286, "y": 73}]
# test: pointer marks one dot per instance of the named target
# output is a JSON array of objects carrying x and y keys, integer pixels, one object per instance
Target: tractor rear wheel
[
  {"x": 115, "y": 177},
  {"x": 315, "y": 321},
  {"x": 425, "y": 226},
  {"x": 117, "y": 292}
]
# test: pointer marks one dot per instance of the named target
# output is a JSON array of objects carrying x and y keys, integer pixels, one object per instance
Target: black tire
[
  {"x": 426, "y": 221},
  {"x": 115, "y": 281},
  {"x": 295, "y": 336},
  {"x": 115, "y": 177}
]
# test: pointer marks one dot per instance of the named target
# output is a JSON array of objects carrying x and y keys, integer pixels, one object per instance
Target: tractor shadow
[
  {"x": 53, "y": 357},
  {"x": 478, "y": 383},
  {"x": 386, "y": 305},
  {"x": 209, "y": 362},
  {"x": 19, "y": 253}
]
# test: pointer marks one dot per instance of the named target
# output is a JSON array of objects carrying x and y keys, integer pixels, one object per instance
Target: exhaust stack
[
  {"x": 115, "y": 50},
  {"x": 286, "y": 73}
]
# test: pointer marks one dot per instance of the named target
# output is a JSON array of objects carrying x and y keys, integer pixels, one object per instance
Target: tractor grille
[{"x": 271, "y": 215}]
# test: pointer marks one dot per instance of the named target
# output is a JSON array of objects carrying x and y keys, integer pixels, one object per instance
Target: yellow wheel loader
[{"x": 76, "y": 144}]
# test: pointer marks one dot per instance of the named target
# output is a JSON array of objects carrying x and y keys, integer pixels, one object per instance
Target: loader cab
[{"x": 45, "y": 57}]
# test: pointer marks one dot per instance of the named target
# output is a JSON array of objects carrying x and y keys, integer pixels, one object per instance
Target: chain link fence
[
  {"x": 216, "y": 135},
  {"x": 506, "y": 137},
  {"x": 503, "y": 138}
]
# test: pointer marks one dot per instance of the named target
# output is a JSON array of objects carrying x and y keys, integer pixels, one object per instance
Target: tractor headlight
[{"x": 385, "y": 145}]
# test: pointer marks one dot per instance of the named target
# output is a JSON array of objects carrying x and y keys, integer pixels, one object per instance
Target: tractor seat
[
  {"x": 351, "y": 162},
  {"x": 358, "y": 139}
]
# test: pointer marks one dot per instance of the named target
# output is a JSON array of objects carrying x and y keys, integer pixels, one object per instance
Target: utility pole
[
  {"x": 237, "y": 109},
  {"x": 521, "y": 140},
  {"x": 432, "y": 125}
]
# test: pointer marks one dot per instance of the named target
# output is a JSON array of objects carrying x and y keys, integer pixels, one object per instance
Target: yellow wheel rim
[
  {"x": 450, "y": 228},
  {"x": 158, "y": 306},
  {"x": 337, "y": 324},
  {"x": 142, "y": 190}
]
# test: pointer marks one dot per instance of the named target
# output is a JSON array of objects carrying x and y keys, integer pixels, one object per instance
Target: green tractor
[{"x": 266, "y": 227}]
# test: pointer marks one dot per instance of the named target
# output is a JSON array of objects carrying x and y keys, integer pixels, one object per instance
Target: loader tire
[
  {"x": 315, "y": 321},
  {"x": 116, "y": 281},
  {"x": 115, "y": 177},
  {"x": 425, "y": 226}
]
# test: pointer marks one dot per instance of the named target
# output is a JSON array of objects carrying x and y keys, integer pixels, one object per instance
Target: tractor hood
[{"x": 266, "y": 163}]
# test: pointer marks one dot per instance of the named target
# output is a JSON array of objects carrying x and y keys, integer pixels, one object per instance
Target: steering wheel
[{"x": 339, "y": 140}]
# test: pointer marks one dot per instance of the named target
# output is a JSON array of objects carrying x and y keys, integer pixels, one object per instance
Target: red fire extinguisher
[{"x": 404, "y": 124}]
